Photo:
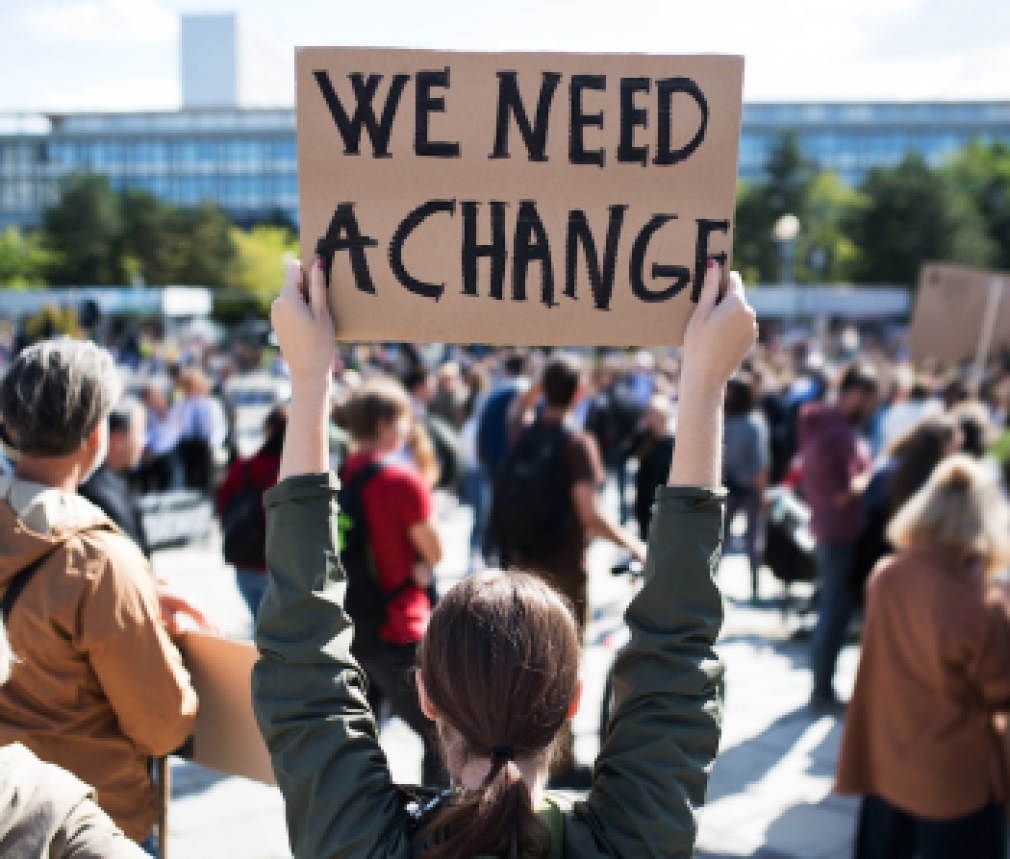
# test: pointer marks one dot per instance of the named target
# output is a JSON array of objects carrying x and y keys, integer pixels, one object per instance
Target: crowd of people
[{"x": 902, "y": 468}]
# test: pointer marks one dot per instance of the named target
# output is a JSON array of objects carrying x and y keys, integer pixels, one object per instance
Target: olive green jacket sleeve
[
  {"x": 652, "y": 771},
  {"x": 308, "y": 693}
]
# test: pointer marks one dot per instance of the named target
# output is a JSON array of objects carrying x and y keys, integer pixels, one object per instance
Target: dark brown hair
[
  {"x": 561, "y": 379},
  {"x": 859, "y": 377},
  {"x": 500, "y": 663},
  {"x": 916, "y": 454},
  {"x": 740, "y": 395}
]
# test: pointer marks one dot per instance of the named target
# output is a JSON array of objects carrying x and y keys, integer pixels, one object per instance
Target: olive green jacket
[{"x": 309, "y": 693}]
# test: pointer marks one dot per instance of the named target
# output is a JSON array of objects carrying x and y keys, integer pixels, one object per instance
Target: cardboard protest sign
[
  {"x": 225, "y": 737},
  {"x": 950, "y": 312},
  {"x": 527, "y": 198}
]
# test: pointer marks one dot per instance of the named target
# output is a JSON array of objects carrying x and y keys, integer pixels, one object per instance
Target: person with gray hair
[
  {"x": 47, "y": 811},
  {"x": 56, "y": 394},
  {"x": 100, "y": 688}
]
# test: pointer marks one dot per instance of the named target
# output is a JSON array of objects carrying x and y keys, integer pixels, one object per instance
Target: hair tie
[{"x": 502, "y": 752}]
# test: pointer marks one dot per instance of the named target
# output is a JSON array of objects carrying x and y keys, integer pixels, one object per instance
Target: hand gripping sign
[{"x": 516, "y": 198}]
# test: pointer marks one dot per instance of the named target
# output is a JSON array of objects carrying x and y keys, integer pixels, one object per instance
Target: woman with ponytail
[{"x": 497, "y": 669}]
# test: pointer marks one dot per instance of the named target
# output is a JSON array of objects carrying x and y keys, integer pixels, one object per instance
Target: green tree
[
  {"x": 825, "y": 252},
  {"x": 786, "y": 191},
  {"x": 914, "y": 214},
  {"x": 23, "y": 258},
  {"x": 259, "y": 260},
  {"x": 202, "y": 249},
  {"x": 981, "y": 172},
  {"x": 83, "y": 233},
  {"x": 146, "y": 243}
]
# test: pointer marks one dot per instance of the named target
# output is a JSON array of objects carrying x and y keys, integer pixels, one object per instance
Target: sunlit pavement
[{"x": 770, "y": 793}]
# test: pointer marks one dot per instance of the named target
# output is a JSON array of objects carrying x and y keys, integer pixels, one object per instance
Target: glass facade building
[
  {"x": 244, "y": 159},
  {"x": 852, "y": 138}
]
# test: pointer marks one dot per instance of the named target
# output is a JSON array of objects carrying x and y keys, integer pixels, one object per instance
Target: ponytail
[
  {"x": 500, "y": 664},
  {"x": 498, "y": 819}
]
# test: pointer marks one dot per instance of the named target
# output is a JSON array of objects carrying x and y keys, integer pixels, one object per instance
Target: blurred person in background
[
  {"x": 475, "y": 491},
  {"x": 161, "y": 466},
  {"x": 546, "y": 440},
  {"x": 836, "y": 461},
  {"x": 240, "y": 508},
  {"x": 493, "y": 422},
  {"x": 421, "y": 385},
  {"x": 492, "y": 431},
  {"x": 100, "y": 688},
  {"x": 452, "y": 395},
  {"x": 612, "y": 417},
  {"x": 908, "y": 464},
  {"x": 919, "y": 743},
  {"x": 911, "y": 402},
  {"x": 653, "y": 448},
  {"x": 404, "y": 546},
  {"x": 976, "y": 426},
  {"x": 746, "y": 468},
  {"x": 204, "y": 430},
  {"x": 108, "y": 488},
  {"x": 419, "y": 452}
]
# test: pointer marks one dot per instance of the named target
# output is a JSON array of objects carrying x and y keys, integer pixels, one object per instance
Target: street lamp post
[{"x": 785, "y": 231}]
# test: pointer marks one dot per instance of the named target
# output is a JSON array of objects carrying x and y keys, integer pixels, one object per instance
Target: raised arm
[
  {"x": 717, "y": 339},
  {"x": 301, "y": 318},
  {"x": 652, "y": 771},
  {"x": 308, "y": 691}
]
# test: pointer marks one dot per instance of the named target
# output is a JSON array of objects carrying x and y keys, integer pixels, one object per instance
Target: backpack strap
[
  {"x": 355, "y": 487},
  {"x": 352, "y": 502},
  {"x": 17, "y": 584}
]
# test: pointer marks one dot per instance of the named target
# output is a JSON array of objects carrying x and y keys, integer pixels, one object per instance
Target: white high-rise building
[{"x": 208, "y": 58}]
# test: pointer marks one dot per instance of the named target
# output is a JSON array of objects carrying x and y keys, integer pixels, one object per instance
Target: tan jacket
[
  {"x": 46, "y": 811},
  {"x": 935, "y": 667},
  {"x": 99, "y": 688}
]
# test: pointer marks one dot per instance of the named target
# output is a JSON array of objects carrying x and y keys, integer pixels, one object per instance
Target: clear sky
[{"x": 123, "y": 54}]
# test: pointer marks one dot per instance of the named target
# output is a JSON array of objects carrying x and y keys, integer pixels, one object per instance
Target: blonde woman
[{"x": 919, "y": 742}]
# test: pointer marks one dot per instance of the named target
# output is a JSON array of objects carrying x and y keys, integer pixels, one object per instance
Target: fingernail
[
  {"x": 319, "y": 262},
  {"x": 712, "y": 262}
]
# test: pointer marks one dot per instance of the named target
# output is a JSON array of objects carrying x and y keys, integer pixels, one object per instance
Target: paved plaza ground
[{"x": 770, "y": 794}]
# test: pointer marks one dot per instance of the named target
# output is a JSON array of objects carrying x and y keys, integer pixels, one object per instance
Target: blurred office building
[{"x": 244, "y": 158}]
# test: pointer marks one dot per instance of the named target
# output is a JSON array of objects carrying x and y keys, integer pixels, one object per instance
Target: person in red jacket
[
  {"x": 405, "y": 547},
  {"x": 240, "y": 506}
]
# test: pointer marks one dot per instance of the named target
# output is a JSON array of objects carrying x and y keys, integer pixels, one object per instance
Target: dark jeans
[
  {"x": 887, "y": 832},
  {"x": 390, "y": 671},
  {"x": 749, "y": 502},
  {"x": 476, "y": 492},
  {"x": 252, "y": 584},
  {"x": 834, "y": 569}
]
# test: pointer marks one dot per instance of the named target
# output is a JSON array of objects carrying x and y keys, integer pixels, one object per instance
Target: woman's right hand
[{"x": 720, "y": 333}]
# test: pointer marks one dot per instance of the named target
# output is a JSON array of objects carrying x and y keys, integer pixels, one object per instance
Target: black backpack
[
  {"x": 531, "y": 507},
  {"x": 244, "y": 526},
  {"x": 365, "y": 601}
]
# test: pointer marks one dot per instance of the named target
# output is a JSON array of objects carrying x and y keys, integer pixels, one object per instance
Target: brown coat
[
  {"x": 99, "y": 688},
  {"x": 935, "y": 667}
]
